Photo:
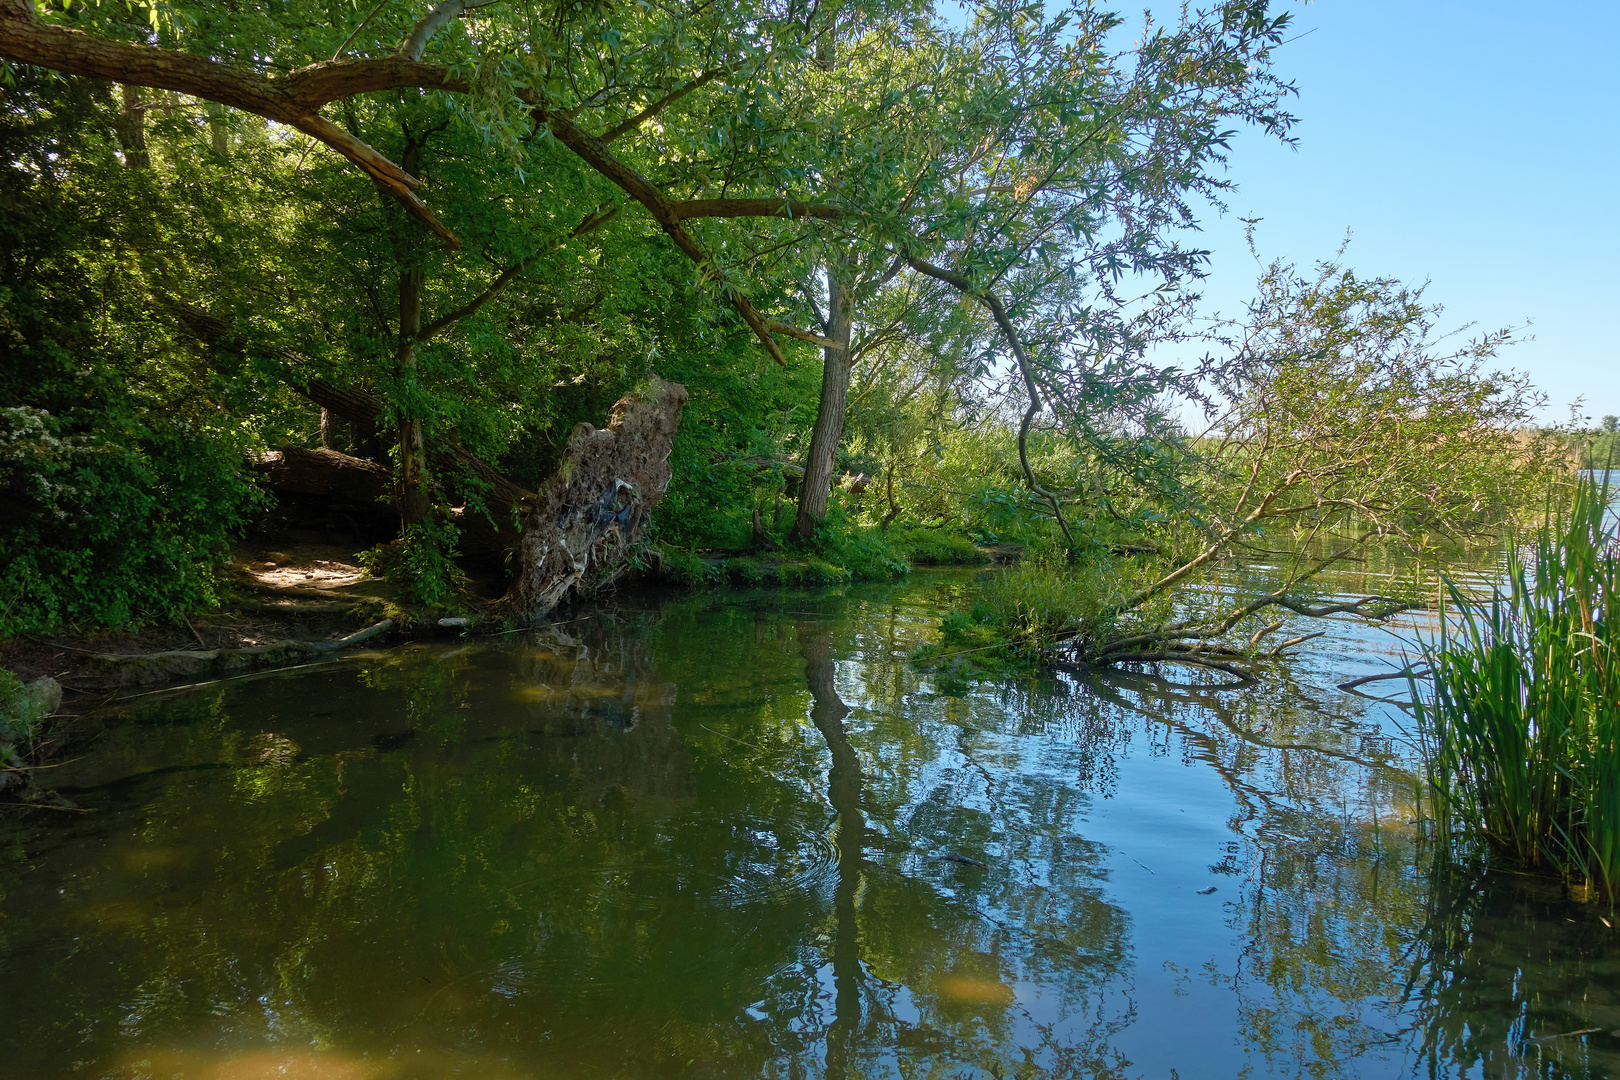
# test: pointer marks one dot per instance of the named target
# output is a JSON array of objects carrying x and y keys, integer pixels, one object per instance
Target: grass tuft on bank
[
  {"x": 1521, "y": 721},
  {"x": 841, "y": 552}
]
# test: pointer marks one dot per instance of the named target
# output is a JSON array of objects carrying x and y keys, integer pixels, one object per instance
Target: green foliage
[
  {"x": 1522, "y": 724},
  {"x": 421, "y": 561},
  {"x": 739, "y": 431},
  {"x": 15, "y": 722},
  {"x": 973, "y": 643},
  {"x": 1342, "y": 419},
  {"x": 1603, "y": 447},
  {"x": 114, "y": 528},
  {"x": 1048, "y": 598},
  {"x": 934, "y": 547},
  {"x": 861, "y": 554},
  {"x": 835, "y": 558},
  {"x": 1346, "y": 406}
]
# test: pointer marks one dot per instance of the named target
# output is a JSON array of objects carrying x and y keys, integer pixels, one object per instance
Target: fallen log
[
  {"x": 117, "y": 670},
  {"x": 296, "y": 471}
]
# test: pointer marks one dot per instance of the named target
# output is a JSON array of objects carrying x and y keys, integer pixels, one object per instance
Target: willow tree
[
  {"x": 1344, "y": 419},
  {"x": 1031, "y": 164},
  {"x": 1022, "y": 163},
  {"x": 533, "y": 128}
]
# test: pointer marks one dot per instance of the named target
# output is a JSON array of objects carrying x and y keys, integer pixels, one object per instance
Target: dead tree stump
[{"x": 581, "y": 527}]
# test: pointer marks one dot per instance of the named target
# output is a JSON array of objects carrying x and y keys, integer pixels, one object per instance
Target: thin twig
[
  {"x": 49, "y": 806},
  {"x": 743, "y": 742},
  {"x": 1404, "y": 673},
  {"x": 32, "y": 768},
  {"x": 193, "y": 630}
]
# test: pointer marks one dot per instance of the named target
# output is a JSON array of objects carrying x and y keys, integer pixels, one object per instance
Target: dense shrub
[{"x": 114, "y": 528}]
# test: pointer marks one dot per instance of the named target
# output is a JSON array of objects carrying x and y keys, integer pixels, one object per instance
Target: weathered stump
[{"x": 581, "y": 527}]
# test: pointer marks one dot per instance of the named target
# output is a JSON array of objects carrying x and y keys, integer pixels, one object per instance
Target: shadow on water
[{"x": 707, "y": 836}]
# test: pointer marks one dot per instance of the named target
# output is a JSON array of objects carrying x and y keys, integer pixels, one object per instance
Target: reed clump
[{"x": 1521, "y": 726}]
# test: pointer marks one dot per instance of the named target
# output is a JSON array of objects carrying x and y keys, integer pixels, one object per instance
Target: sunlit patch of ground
[{"x": 307, "y": 566}]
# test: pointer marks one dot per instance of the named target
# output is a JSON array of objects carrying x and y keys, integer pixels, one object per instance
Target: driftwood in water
[{"x": 583, "y": 524}]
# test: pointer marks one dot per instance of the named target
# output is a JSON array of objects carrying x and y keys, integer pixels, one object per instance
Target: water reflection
[
  {"x": 827, "y": 712},
  {"x": 705, "y": 836}
]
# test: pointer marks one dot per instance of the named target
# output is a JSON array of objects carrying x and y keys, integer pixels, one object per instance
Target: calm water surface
[{"x": 702, "y": 837}]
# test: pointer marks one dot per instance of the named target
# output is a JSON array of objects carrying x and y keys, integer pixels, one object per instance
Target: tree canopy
[{"x": 435, "y": 238}]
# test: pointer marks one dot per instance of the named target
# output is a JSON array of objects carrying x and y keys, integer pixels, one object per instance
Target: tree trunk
[
  {"x": 324, "y": 491},
  {"x": 413, "y": 490},
  {"x": 130, "y": 129},
  {"x": 216, "y": 128},
  {"x": 413, "y": 485},
  {"x": 297, "y": 471},
  {"x": 894, "y": 507},
  {"x": 829, "y": 428}
]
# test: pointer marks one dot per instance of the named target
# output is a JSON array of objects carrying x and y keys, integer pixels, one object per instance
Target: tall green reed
[{"x": 1522, "y": 725}]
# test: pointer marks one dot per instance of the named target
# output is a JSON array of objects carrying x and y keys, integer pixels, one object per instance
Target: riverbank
[{"x": 286, "y": 602}]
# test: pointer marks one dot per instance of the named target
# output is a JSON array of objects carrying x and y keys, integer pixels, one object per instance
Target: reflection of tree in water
[
  {"x": 1362, "y": 944},
  {"x": 537, "y": 854},
  {"x": 1508, "y": 977},
  {"x": 827, "y": 712},
  {"x": 374, "y": 856},
  {"x": 954, "y": 963},
  {"x": 601, "y": 707}
]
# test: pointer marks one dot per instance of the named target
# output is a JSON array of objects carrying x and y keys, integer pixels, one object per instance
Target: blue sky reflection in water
[{"x": 702, "y": 837}]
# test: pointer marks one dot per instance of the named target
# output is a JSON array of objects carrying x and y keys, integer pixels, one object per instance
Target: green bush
[
  {"x": 1521, "y": 725},
  {"x": 422, "y": 561},
  {"x": 683, "y": 567},
  {"x": 116, "y": 527},
  {"x": 863, "y": 553},
  {"x": 15, "y": 722}
]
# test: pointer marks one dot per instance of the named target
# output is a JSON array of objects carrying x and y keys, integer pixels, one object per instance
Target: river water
[{"x": 704, "y": 836}]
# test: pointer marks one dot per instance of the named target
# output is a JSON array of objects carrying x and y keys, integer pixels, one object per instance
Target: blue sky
[{"x": 1473, "y": 145}]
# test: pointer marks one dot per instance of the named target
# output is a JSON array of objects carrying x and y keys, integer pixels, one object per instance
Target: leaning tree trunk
[
  {"x": 580, "y": 528},
  {"x": 829, "y": 428}
]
